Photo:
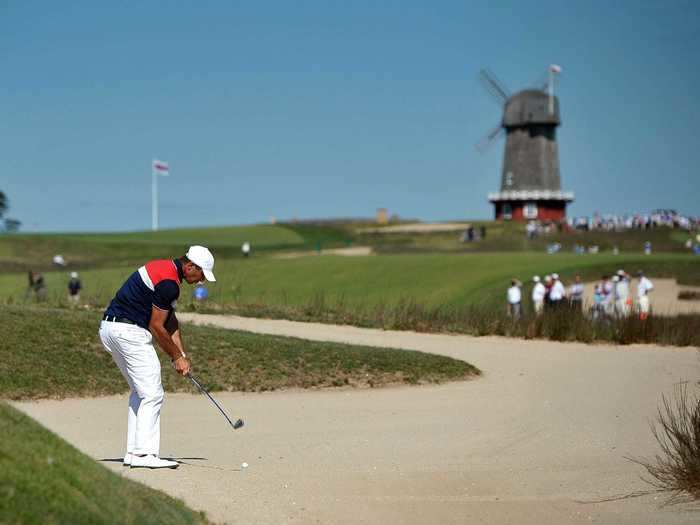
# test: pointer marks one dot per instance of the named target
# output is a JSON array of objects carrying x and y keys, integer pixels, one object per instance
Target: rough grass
[
  {"x": 43, "y": 480},
  {"x": 676, "y": 469},
  {"x": 57, "y": 353},
  {"x": 481, "y": 320}
]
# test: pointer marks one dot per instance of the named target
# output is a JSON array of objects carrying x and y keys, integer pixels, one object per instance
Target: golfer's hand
[{"x": 182, "y": 366}]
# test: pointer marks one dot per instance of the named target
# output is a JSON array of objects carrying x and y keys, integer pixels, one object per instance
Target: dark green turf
[{"x": 44, "y": 480}]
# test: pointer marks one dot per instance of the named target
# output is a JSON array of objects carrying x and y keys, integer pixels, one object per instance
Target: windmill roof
[{"x": 530, "y": 106}]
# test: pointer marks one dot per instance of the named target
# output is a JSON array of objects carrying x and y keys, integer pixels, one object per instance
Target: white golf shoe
[
  {"x": 152, "y": 461},
  {"x": 127, "y": 459}
]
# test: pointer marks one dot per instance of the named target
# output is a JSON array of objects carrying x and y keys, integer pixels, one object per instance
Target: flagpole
[
  {"x": 154, "y": 198},
  {"x": 551, "y": 91}
]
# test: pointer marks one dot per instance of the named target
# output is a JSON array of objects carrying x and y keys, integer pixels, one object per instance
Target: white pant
[
  {"x": 644, "y": 306},
  {"x": 132, "y": 350},
  {"x": 622, "y": 307}
]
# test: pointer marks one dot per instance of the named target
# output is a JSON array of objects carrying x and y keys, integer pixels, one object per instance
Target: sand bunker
[{"x": 538, "y": 439}]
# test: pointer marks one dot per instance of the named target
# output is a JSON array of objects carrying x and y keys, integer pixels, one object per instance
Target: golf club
[{"x": 238, "y": 424}]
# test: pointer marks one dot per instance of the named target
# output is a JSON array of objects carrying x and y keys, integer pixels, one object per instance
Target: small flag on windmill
[{"x": 160, "y": 167}]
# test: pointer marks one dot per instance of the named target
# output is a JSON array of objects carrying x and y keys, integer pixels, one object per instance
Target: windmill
[{"x": 530, "y": 181}]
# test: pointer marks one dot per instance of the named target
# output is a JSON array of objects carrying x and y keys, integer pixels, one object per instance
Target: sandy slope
[
  {"x": 419, "y": 227},
  {"x": 535, "y": 440},
  {"x": 351, "y": 251}
]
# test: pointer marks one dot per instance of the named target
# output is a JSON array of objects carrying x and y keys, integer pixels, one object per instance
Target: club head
[{"x": 238, "y": 424}]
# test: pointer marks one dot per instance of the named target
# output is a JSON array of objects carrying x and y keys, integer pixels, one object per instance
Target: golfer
[{"x": 142, "y": 309}]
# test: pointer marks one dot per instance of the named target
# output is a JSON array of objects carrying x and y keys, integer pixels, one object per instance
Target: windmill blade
[
  {"x": 488, "y": 139},
  {"x": 494, "y": 86}
]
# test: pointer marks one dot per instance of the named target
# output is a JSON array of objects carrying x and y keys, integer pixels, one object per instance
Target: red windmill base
[{"x": 530, "y": 205}]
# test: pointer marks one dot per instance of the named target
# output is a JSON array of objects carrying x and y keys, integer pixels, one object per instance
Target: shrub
[
  {"x": 689, "y": 295},
  {"x": 676, "y": 470}
]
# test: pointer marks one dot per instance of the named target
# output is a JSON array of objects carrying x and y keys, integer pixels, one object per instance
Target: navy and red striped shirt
[{"x": 157, "y": 283}]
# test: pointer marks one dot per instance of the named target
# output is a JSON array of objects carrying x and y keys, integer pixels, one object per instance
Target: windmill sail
[{"x": 530, "y": 178}]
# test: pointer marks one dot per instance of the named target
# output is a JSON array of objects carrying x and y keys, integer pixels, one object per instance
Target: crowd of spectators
[
  {"x": 635, "y": 221},
  {"x": 612, "y": 296}
]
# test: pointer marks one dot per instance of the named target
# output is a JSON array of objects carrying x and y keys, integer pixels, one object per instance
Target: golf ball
[{"x": 244, "y": 465}]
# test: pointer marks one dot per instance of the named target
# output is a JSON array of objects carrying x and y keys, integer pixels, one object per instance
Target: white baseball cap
[
  {"x": 203, "y": 258},
  {"x": 555, "y": 276},
  {"x": 536, "y": 278},
  {"x": 74, "y": 275}
]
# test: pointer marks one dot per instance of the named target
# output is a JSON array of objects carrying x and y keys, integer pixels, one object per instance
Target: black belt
[{"x": 115, "y": 319}]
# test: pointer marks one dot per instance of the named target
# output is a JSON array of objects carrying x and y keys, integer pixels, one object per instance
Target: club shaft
[{"x": 204, "y": 391}]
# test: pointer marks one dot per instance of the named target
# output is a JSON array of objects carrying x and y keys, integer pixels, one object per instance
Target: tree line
[{"x": 8, "y": 224}]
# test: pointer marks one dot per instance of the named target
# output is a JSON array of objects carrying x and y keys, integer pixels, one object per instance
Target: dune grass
[
  {"x": 675, "y": 470},
  {"x": 43, "y": 480},
  {"x": 484, "y": 319},
  {"x": 50, "y": 353}
]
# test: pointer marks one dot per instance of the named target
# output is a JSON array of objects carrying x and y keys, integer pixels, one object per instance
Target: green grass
[
  {"x": 429, "y": 279},
  {"x": 510, "y": 237},
  {"x": 57, "y": 353},
  {"x": 44, "y": 480},
  {"x": 420, "y": 272},
  {"x": 21, "y": 252},
  {"x": 317, "y": 236}
]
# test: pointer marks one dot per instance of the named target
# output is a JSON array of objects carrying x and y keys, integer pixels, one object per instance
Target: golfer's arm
[
  {"x": 173, "y": 327},
  {"x": 170, "y": 344}
]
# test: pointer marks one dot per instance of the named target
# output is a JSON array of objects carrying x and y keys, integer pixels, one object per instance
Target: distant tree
[{"x": 12, "y": 225}]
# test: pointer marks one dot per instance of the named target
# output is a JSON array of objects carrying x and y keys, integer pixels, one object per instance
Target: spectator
[
  {"x": 514, "y": 299},
  {"x": 623, "y": 301},
  {"x": 643, "y": 288},
  {"x": 597, "y": 310},
  {"x": 470, "y": 233},
  {"x": 576, "y": 294},
  {"x": 531, "y": 230},
  {"x": 558, "y": 293},
  {"x": 538, "y": 295},
  {"x": 608, "y": 301},
  {"x": 30, "y": 289},
  {"x": 74, "y": 287},
  {"x": 200, "y": 293},
  {"x": 40, "y": 287},
  {"x": 548, "y": 282}
]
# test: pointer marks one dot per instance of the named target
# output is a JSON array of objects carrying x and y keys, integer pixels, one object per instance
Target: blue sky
[{"x": 333, "y": 109}]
